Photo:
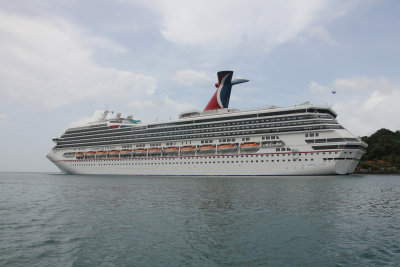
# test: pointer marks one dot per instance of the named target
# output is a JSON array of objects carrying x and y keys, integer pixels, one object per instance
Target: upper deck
[{"x": 223, "y": 122}]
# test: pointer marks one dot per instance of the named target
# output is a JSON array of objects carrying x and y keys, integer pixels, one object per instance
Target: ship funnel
[{"x": 221, "y": 97}]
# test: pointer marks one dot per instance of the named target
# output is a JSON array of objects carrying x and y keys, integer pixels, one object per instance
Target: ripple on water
[{"x": 61, "y": 220}]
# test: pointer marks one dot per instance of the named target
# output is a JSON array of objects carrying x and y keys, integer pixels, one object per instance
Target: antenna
[
  {"x": 103, "y": 116},
  {"x": 105, "y": 113}
]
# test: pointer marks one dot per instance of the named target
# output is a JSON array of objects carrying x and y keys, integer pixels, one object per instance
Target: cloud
[
  {"x": 49, "y": 63},
  {"x": 88, "y": 119},
  {"x": 376, "y": 99},
  {"x": 317, "y": 88},
  {"x": 320, "y": 33},
  {"x": 161, "y": 107},
  {"x": 3, "y": 119},
  {"x": 228, "y": 24},
  {"x": 235, "y": 98},
  {"x": 145, "y": 104},
  {"x": 179, "y": 106},
  {"x": 364, "y": 104},
  {"x": 190, "y": 77}
]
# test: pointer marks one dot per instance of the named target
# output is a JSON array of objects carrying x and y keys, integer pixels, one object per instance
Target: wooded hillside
[{"x": 383, "y": 153}]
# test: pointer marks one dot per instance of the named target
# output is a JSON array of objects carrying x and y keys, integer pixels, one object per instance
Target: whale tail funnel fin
[{"x": 221, "y": 97}]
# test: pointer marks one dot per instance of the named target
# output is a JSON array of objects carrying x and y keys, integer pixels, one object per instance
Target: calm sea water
[{"x": 73, "y": 220}]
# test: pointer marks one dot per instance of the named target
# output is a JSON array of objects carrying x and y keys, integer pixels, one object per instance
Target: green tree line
[{"x": 383, "y": 150}]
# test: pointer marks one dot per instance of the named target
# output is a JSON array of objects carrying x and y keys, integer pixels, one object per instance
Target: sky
[{"x": 63, "y": 62}]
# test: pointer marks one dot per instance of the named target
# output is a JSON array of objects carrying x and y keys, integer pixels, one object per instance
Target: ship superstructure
[{"x": 300, "y": 140}]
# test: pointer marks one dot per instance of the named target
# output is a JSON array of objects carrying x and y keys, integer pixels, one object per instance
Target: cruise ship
[{"x": 299, "y": 140}]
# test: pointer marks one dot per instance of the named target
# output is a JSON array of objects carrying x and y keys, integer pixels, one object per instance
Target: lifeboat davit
[{"x": 250, "y": 146}]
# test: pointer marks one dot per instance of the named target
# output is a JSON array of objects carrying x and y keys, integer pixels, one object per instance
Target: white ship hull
[
  {"x": 253, "y": 169},
  {"x": 195, "y": 166},
  {"x": 262, "y": 163}
]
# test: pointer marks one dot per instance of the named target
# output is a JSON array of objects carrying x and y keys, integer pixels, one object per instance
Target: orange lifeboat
[
  {"x": 101, "y": 154},
  {"x": 126, "y": 152},
  {"x": 223, "y": 146},
  {"x": 227, "y": 147},
  {"x": 154, "y": 150},
  {"x": 188, "y": 149},
  {"x": 250, "y": 146},
  {"x": 90, "y": 154},
  {"x": 207, "y": 148},
  {"x": 171, "y": 150},
  {"x": 113, "y": 153},
  {"x": 140, "y": 151},
  {"x": 79, "y": 155}
]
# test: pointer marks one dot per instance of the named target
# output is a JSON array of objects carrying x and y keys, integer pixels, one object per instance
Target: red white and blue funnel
[{"x": 221, "y": 97}]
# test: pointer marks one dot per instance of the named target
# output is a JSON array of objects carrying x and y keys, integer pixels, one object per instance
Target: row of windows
[
  {"x": 270, "y": 137},
  {"x": 246, "y": 116},
  {"x": 102, "y": 127},
  {"x": 220, "y": 134},
  {"x": 297, "y": 154},
  {"x": 194, "y": 132},
  {"x": 340, "y": 159},
  {"x": 206, "y": 162},
  {"x": 88, "y": 128},
  {"x": 331, "y": 140},
  {"x": 153, "y": 145},
  {"x": 283, "y": 149},
  {"x": 142, "y": 129},
  {"x": 228, "y": 140},
  {"x": 339, "y": 147},
  {"x": 311, "y": 134},
  {"x": 197, "y": 162}
]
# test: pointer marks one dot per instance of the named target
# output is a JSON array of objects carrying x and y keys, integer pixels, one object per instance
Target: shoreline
[{"x": 376, "y": 172}]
